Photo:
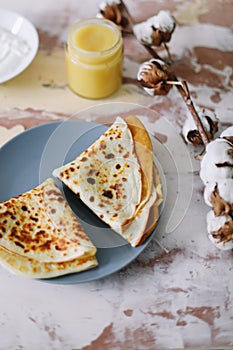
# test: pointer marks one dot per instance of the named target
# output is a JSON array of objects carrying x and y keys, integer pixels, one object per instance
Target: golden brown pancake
[
  {"x": 39, "y": 228},
  {"x": 114, "y": 177}
]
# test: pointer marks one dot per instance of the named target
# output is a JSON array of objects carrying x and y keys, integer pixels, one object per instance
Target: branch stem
[
  {"x": 181, "y": 86},
  {"x": 168, "y": 53}
]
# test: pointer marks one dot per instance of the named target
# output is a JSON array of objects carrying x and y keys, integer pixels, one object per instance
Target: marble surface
[{"x": 178, "y": 293}]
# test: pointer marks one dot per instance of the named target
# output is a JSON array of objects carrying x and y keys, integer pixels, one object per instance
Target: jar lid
[{"x": 87, "y": 40}]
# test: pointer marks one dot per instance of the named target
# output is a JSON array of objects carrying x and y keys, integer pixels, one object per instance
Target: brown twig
[
  {"x": 128, "y": 15},
  {"x": 168, "y": 53},
  {"x": 152, "y": 52},
  {"x": 181, "y": 86},
  {"x": 184, "y": 91}
]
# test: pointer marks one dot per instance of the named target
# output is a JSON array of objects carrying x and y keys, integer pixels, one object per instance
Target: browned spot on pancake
[
  {"x": 13, "y": 233},
  {"x": 41, "y": 232},
  {"x": 34, "y": 219},
  {"x": 91, "y": 180},
  {"x": 19, "y": 244},
  {"x": 53, "y": 192},
  {"x": 91, "y": 171},
  {"x": 108, "y": 194},
  {"x": 109, "y": 156},
  {"x": 24, "y": 208},
  {"x": 126, "y": 155},
  {"x": 118, "y": 207},
  {"x": 102, "y": 145}
]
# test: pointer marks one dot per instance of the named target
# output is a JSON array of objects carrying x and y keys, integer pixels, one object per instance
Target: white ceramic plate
[{"x": 25, "y": 30}]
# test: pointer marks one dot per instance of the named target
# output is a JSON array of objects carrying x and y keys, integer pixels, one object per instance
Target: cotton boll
[
  {"x": 210, "y": 124},
  {"x": 227, "y": 132},
  {"x": 156, "y": 30},
  {"x": 219, "y": 195},
  {"x": 217, "y": 163},
  {"x": 220, "y": 230}
]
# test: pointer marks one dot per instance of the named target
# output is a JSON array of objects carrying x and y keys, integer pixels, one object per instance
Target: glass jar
[{"x": 94, "y": 58}]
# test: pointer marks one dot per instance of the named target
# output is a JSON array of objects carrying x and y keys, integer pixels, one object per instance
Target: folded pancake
[
  {"x": 114, "y": 177},
  {"x": 144, "y": 153},
  {"x": 38, "y": 227},
  {"x": 146, "y": 219},
  {"x": 107, "y": 176},
  {"x": 31, "y": 268},
  {"x": 147, "y": 214}
]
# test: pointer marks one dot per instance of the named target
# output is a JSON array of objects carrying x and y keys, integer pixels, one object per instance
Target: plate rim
[{"x": 34, "y": 48}]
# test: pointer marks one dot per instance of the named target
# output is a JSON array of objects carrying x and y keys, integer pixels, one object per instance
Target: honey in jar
[{"x": 94, "y": 58}]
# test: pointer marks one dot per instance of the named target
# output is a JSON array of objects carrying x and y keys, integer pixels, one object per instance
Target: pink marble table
[{"x": 178, "y": 293}]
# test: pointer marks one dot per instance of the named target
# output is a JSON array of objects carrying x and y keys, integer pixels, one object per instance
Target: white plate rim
[{"x": 7, "y": 19}]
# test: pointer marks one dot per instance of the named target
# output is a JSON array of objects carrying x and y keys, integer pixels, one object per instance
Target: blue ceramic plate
[{"x": 30, "y": 158}]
